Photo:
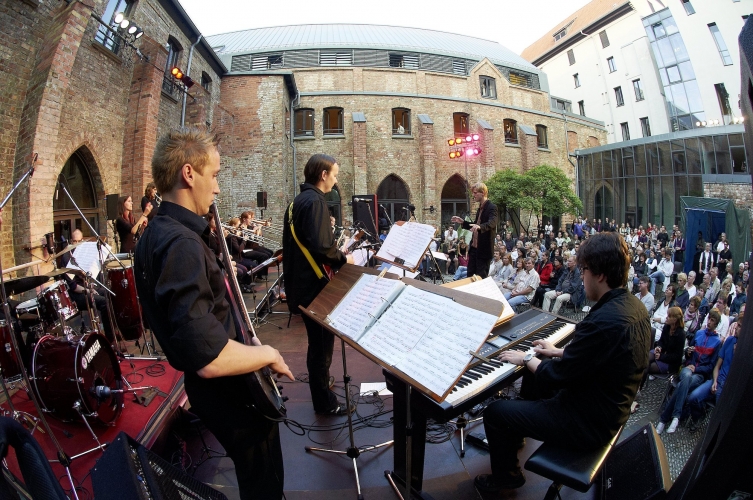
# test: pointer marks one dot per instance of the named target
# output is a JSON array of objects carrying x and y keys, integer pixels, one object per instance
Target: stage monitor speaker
[
  {"x": 365, "y": 211},
  {"x": 127, "y": 470},
  {"x": 637, "y": 468},
  {"x": 111, "y": 202},
  {"x": 261, "y": 199}
]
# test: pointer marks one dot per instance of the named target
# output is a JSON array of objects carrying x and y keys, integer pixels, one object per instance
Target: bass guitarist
[
  {"x": 184, "y": 297},
  {"x": 309, "y": 252}
]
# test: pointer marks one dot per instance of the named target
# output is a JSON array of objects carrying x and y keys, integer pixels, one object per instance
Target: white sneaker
[
  {"x": 660, "y": 428},
  {"x": 651, "y": 378},
  {"x": 673, "y": 426}
]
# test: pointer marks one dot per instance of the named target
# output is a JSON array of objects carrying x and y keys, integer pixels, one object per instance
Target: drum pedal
[{"x": 478, "y": 440}]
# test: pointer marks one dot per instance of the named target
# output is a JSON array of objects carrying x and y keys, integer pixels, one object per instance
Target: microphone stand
[
  {"x": 63, "y": 458},
  {"x": 386, "y": 214}
]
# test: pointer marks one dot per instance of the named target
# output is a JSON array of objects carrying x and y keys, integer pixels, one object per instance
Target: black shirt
[
  {"x": 601, "y": 368},
  {"x": 127, "y": 240},
  {"x": 182, "y": 290}
]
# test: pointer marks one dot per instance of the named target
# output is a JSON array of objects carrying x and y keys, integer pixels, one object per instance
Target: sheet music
[
  {"x": 361, "y": 256},
  {"x": 363, "y": 304},
  {"x": 399, "y": 271},
  {"x": 87, "y": 258},
  {"x": 408, "y": 242},
  {"x": 489, "y": 289},
  {"x": 408, "y": 337}
]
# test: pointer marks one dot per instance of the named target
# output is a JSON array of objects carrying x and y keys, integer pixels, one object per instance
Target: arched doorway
[
  {"x": 79, "y": 182},
  {"x": 454, "y": 199},
  {"x": 604, "y": 203},
  {"x": 334, "y": 206},
  {"x": 393, "y": 195}
]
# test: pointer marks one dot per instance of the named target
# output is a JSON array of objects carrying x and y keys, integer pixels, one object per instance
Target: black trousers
[
  {"x": 318, "y": 361},
  {"x": 477, "y": 266},
  {"x": 251, "y": 441},
  {"x": 507, "y": 422}
]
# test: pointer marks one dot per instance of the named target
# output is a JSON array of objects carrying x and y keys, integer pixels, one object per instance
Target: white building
[{"x": 647, "y": 67}]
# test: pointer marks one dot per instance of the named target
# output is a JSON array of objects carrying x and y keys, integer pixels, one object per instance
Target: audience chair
[{"x": 575, "y": 469}]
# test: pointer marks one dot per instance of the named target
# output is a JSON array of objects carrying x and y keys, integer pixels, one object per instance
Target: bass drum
[
  {"x": 125, "y": 304},
  {"x": 8, "y": 359},
  {"x": 68, "y": 370}
]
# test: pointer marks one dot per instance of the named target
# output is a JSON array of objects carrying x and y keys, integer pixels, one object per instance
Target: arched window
[
  {"x": 79, "y": 182},
  {"x": 333, "y": 204},
  {"x": 454, "y": 199},
  {"x": 393, "y": 194},
  {"x": 460, "y": 121},
  {"x": 304, "y": 123},
  {"x": 542, "y": 140},
  {"x": 169, "y": 84},
  {"x": 333, "y": 121},
  {"x": 511, "y": 131},
  {"x": 604, "y": 203}
]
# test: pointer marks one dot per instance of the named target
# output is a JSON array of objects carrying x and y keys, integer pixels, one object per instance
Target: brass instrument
[
  {"x": 158, "y": 199},
  {"x": 249, "y": 235}
]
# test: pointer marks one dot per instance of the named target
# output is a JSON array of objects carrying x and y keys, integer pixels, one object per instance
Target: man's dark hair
[
  {"x": 317, "y": 164},
  {"x": 607, "y": 254},
  {"x": 559, "y": 259},
  {"x": 644, "y": 279}
]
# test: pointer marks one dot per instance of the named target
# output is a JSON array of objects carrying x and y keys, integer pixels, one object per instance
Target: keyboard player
[{"x": 596, "y": 375}]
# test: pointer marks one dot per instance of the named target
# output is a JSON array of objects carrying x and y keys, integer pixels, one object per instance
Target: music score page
[
  {"x": 489, "y": 289},
  {"x": 87, "y": 257},
  {"x": 408, "y": 242},
  {"x": 427, "y": 336}
]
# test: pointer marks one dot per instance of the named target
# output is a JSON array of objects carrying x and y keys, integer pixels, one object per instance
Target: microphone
[
  {"x": 361, "y": 200},
  {"x": 102, "y": 391}
]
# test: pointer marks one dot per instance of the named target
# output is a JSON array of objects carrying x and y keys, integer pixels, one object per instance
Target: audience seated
[
  {"x": 683, "y": 297},
  {"x": 566, "y": 286},
  {"x": 558, "y": 270},
  {"x": 643, "y": 294},
  {"x": 692, "y": 317},
  {"x": 666, "y": 357},
  {"x": 526, "y": 282},
  {"x": 721, "y": 307},
  {"x": 738, "y": 303},
  {"x": 660, "y": 310}
]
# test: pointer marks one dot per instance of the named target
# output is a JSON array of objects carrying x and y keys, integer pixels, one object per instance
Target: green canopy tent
[{"x": 711, "y": 217}]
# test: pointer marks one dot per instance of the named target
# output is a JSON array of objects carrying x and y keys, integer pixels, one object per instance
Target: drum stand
[
  {"x": 100, "y": 446},
  {"x": 260, "y": 319},
  {"x": 18, "y": 416},
  {"x": 64, "y": 460}
]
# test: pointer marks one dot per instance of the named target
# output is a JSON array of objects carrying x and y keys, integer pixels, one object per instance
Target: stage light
[
  {"x": 459, "y": 140},
  {"x": 697, "y": 124},
  {"x": 452, "y": 154},
  {"x": 468, "y": 138},
  {"x": 469, "y": 152},
  {"x": 475, "y": 137},
  {"x": 124, "y": 23},
  {"x": 703, "y": 124},
  {"x": 138, "y": 34},
  {"x": 475, "y": 151},
  {"x": 451, "y": 142},
  {"x": 119, "y": 17},
  {"x": 177, "y": 73},
  {"x": 132, "y": 29}
]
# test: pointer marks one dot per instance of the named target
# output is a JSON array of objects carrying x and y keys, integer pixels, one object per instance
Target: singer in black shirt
[{"x": 182, "y": 290}]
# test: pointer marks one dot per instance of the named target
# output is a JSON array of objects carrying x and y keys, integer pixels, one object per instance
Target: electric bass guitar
[
  {"x": 261, "y": 383},
  {"x": 328, "y": 271}
]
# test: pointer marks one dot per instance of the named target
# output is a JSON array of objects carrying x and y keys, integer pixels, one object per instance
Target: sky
[{"x": 514, "y": 24}]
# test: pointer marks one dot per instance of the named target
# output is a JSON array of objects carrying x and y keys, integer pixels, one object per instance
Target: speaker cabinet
[
  {"x": 365, "y": 211},
  {"x": 637, "y": 468},
  {"x": 111, "y": 202},
  {"x": 127, "y": 470},
  {"x": 261, "y": 199}
]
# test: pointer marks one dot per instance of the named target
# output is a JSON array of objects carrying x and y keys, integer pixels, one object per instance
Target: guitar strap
[{"x": 306, "y": 253}]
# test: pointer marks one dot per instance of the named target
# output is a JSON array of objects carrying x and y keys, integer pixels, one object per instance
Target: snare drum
[
  {"x": 8, "y": 359},
  {"x": 55, "y": 304},
  {"x": 28, "y": 308},
  {"x": 125, "y": 303},
  {"x": 68, "y": 370}
]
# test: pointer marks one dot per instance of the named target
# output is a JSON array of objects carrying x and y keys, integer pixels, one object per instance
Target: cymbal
[
  {"x": 65, "y": 270},
  {"x": 21, "y": 285},
  {"x": 67, "y": 249}
]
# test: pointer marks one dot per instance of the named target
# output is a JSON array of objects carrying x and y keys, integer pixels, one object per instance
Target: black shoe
[
  {"x": 487, "y": 483},
  {"x": 693, "y": 425},
  {"x": 339, "y": 410},
  {"x": 331, "y": 382}
]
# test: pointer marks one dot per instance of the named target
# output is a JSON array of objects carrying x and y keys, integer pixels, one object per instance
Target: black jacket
[
  {"x": 312, "y": 227},
  {"x": 488, "y": 230}
]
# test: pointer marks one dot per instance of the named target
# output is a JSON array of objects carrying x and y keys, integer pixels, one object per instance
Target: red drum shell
[
  {"x": 54, "y": 302},
  {"x": 66, "y": 370},
  {"x": 8, "y": 359},
  {"x": 125, "y": 304}
]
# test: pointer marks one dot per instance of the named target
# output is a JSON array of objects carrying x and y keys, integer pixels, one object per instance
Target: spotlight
[
  {"x": 452, "y": 154},
  {"x": 469, "y": 152},
  {"x": 139, "y": 33},
  {"x": 119, "y": 17},
  {"x": 177, "y": 73},
  {"x": 475, "y": 151},
  {"x": 697, "y": 124},
  {"x": 459, "y": 140},
  {"x": 742, "y": 118},
  {"x": 124, "y": 23},
  {"x": 475, "y": 137},
  {"x": 132, "y": 29},
  {"x": 451, "y": 142},
  {"x": 468, "y": 139},
  {"x": 703, "y": 123}
]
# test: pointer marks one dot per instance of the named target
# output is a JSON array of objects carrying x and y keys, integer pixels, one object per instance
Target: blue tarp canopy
[{"x": 711, "y": 217}]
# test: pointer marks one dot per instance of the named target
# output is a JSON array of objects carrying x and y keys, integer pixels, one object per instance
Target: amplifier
[
  {"x": 127, "y": 470},
  {"x": 111, "y": 202}
]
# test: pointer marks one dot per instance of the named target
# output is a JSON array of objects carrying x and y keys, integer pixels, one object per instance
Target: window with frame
[
  {"x": 571, "y": 56},
  {"x": 723, "y": 97},
  {"x": 619, "y": 99},
  {"x": 460, "y": 123},
  {"x": 105, "y": 36},
  {"x": 604, "y": 39},
  {"x": 611, "y": 65},
  {"x": 541, "y": 139},
  {"x": 333, "y": 121},
  {"x": 267, "y": 61},
  {"x": 400, "y": 121},
  {"x": 689, "y": 10},
  {"x": 645, "y": 127},
  {"x": 304, "y": 123},
  {"x": 511, "y": 131},
  {"x": 576, "y": 80},
  {"x": 169, "y": 83},
  {"x": 720, "y": 45},
  {"x": 561, "y": 104},
  {"x": 206, "y": 81},
  {"x": 625, "y": 131},
  {"x": 582, "y": 108},
  {"x": 406, "y": 61},
  {"x": 638, "y": 88},
  {"x": 488, "y": 87},
  {"x": 336, "y": 58},
  {"x": 560, "y": 35}
]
